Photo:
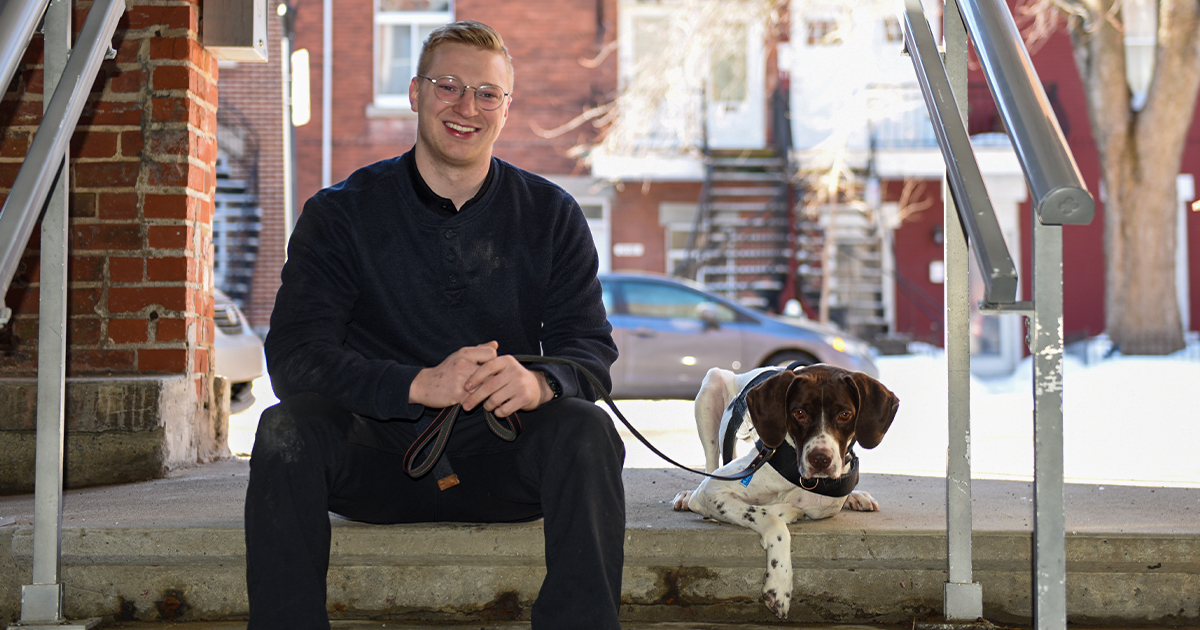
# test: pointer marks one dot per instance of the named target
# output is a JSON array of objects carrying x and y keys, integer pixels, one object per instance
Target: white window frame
[
  {"x": 415, "y": 20},
  {"x": 601, "y": 228}
]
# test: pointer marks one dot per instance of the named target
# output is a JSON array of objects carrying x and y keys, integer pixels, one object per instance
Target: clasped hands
[{"x": 476, "y": 375}]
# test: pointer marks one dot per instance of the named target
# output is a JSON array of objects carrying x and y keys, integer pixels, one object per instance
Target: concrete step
[
  {"x": 506, "y": 625},
  {"x": 1133, "y": 556}
]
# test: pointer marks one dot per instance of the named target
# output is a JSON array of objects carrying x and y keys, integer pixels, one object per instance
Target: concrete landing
[{"x": 172, "y": 550}]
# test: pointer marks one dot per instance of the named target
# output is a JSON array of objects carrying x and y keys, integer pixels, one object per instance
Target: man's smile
[{"x": 461, "y": 128}]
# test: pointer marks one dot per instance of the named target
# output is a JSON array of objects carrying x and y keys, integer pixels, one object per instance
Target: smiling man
[{"x": 407, "y": 290}]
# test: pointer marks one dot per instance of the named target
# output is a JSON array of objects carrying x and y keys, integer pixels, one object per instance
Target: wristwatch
[{"x": 554, "y": 385}]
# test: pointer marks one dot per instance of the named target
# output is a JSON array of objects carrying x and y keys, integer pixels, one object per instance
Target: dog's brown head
[{"x": 825, "y": 409}]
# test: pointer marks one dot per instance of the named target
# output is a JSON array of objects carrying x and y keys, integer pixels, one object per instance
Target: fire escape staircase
[
  {"x": 840, "y": 252},
  {"x": 739, "y": 243}
]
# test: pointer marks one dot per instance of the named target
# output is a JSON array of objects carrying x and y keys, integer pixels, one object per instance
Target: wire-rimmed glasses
[{"x": 450, "y": 90}]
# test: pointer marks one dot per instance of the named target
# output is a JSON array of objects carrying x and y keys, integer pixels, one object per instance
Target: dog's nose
[{"x": 819, "y": 461}]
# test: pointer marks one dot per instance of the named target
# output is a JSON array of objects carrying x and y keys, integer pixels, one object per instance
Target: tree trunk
[{"x": 1140, "y": 156}]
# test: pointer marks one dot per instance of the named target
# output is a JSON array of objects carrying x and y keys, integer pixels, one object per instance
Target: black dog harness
[{"x": 785, "y": 457}]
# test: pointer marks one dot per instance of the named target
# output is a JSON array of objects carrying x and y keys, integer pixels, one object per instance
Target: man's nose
[{"x": 466, "y": 104}]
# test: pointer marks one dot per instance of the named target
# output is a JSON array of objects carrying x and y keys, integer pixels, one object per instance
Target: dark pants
[{"x": 311, "y": 457}]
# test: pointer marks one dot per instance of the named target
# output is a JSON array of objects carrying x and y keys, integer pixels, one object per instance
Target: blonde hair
[{"x": 475, "y": 34}]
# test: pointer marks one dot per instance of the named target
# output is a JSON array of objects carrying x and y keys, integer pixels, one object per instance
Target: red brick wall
[
  {"x": 635, "y": 219},
  {"x": 141, "y": 203},
  {"x": 256, "y": 91}
]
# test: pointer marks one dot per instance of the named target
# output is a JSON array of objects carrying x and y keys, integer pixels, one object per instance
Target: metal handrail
[
  {"x": 33, "y": 183},
  {"x": 966, "y": 183},
  {"x": 1059, "y": 195},
  {"x": 1059, "y": 198},
  {"x": 18, "y": 21}
]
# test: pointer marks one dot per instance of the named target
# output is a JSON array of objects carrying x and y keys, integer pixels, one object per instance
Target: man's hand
[
  {"x": 444, "y": 384},
  {"x": 503, "y": 386},
  {"x": 476, "y": 375}
]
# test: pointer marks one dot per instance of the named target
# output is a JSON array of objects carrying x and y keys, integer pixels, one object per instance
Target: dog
[{"x": 820, "y": 411}]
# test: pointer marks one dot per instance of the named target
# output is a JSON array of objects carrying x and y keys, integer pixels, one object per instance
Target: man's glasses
[{"x": 450, "y": 90}]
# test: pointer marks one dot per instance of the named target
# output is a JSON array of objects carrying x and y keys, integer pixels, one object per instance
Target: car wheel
[
  {"x": 784, "y": 359},
  {"x": 241, "y": 396}
]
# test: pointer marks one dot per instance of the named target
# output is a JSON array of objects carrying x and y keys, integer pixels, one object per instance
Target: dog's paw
[
  {"x": 861, "y": 502},
  {"x": 778, "y": 601},
  {"x": 681, "y": 500}
]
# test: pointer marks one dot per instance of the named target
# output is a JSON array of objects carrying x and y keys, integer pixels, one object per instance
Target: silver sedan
[{"x": 671, "y": 331}]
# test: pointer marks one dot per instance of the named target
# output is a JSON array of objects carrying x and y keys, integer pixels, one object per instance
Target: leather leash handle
[{"x": 438, "y": 433}]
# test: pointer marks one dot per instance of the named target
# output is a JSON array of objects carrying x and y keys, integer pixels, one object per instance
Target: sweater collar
[{"x": 435, "y": 202}]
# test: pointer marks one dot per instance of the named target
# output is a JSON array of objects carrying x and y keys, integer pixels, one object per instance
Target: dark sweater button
[{"x": 449, "y": 233}]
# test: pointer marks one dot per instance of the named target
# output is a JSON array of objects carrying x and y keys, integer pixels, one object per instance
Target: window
[
  {"x": 892, "y": 31},
  {"x": 822, "y": 33},
  {"x": 655, "y": 300},
  {"x": 401, "y": 27}
]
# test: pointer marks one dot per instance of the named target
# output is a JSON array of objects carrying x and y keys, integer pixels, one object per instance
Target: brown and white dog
[{"x": 820, "y": 411}]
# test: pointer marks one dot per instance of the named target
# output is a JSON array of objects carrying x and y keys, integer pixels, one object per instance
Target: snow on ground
[{"x": 1126, "y": 420}]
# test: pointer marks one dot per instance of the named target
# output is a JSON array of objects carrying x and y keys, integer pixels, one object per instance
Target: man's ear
[
  {"x": 413, "y": 90},
  {"x": 767, "y": 403}
]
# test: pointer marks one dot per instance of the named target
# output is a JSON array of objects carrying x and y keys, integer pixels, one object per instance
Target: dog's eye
[
  {"x": 845, "y": 416},
  {"x": 800, "y": 416}
]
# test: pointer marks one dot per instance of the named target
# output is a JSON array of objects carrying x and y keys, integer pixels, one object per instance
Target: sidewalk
[{"x": 130, "y": 551}]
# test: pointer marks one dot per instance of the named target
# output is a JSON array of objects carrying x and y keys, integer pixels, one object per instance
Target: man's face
[{"x": 460, "y": 134}]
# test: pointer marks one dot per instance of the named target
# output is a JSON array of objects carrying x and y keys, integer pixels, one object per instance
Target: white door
[{"x": 736, "y": 116}]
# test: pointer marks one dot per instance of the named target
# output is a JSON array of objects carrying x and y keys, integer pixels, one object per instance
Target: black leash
[{"x": 437, "y": 434}]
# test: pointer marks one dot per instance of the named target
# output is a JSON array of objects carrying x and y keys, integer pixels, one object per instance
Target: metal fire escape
[
  {"x": 840, "y": 249},
  {"x": 739, "y": 246}
]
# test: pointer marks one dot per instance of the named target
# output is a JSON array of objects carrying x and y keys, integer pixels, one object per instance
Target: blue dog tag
[{"x": 746, "y": 480}]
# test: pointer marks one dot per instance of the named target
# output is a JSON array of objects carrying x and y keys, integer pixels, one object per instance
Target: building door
[{"x": 736, "y": 109}]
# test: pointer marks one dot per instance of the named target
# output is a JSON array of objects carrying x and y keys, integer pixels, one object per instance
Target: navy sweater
[{"x": 377, "y": 287}]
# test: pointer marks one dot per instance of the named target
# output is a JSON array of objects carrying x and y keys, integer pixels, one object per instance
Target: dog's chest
[{"x": 768, "y": 488}]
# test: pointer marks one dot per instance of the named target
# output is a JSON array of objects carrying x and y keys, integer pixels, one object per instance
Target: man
[{"x": 407, "y": 290}]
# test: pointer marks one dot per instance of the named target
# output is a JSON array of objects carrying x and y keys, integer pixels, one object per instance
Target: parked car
[
  {"x": 671, "y": 331},
  {"x": 237, "y": 351}
]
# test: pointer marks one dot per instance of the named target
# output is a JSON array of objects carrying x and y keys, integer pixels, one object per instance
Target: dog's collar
[{"x": 784, "y": 463}]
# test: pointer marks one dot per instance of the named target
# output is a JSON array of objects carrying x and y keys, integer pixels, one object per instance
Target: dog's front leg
[{"x": 770, "y": 523}]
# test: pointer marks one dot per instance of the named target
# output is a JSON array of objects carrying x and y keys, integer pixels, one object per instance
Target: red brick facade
[{"x": 141, "y": 205}]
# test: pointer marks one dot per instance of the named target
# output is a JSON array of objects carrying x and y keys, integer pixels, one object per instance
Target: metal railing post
[
  {"x": 1046, "y": 345},
  {"x": 42, "y": 601},
  {"x": 42, "y": 605},
  {"x": 962, "y": 596}
]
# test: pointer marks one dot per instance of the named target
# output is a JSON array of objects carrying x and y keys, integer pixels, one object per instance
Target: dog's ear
[
  {"x": 767, "y": 403},
  {"x": 877, "y": 407}
]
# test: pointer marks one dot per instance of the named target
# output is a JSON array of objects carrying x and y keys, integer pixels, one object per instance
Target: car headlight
[{"x": 847, "y": 346}]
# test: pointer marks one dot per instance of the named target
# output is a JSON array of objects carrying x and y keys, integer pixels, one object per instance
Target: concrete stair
[{"x": 172, "y": 549}]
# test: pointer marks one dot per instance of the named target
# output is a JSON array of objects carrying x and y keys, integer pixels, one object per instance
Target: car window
[
  {"x": 648, "y": 299},
  {"x": 610, "y": 300}
]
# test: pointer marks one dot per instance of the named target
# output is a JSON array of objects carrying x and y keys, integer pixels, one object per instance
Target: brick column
[{"x": 140, "y": 379}]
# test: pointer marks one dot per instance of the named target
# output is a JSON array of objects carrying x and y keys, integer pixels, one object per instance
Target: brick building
[{"x": 139, "y": 395}]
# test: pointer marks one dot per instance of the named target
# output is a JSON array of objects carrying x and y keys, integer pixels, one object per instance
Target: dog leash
[{"x": 437, "y": 434}]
